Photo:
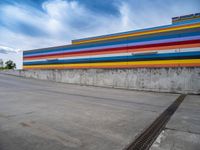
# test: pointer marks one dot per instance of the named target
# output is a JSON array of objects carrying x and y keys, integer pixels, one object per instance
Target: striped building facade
[{"x": 175, "y": 45}]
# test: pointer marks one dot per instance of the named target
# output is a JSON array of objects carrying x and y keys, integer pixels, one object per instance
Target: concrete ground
[
  {"x": 183, "y": 130},
  {"x": 44, "y": 115}
]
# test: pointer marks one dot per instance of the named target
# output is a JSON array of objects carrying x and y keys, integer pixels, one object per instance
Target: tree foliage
[{"x": 10, "y": 64}]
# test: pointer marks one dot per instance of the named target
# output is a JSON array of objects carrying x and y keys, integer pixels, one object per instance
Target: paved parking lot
[
  {"x": 44, "y": 115},
  {"x": 183, "y": 130}
]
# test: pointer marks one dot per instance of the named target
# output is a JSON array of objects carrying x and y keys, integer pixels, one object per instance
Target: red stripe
[{"x": 120, "y": 48}]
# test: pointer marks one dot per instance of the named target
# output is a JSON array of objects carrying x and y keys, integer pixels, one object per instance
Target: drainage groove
[{"x": 146, "y": 138}]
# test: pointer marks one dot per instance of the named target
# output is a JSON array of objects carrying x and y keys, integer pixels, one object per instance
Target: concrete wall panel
[{"x": 178, "y": 80}]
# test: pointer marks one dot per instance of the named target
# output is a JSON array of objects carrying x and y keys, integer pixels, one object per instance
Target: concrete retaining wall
[{"x": 178, "y": 80}]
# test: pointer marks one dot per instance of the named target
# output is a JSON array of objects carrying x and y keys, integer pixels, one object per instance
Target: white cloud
[
  {"x": 60, "y": 22},
  {"x": 6, "y": 50}
]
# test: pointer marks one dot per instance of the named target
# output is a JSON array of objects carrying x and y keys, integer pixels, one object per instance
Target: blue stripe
[
  {"x": 120, "y": 58},
  {"x": 124, "y": 41}
]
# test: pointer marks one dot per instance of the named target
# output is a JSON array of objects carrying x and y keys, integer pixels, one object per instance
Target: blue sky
[{"x": 30, "y": 24}]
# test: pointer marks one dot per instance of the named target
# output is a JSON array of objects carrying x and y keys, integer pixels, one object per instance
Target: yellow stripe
[
  {"x": 138, "y": 33},
  {"x": 157, "y": 62},
  {"x": 132, "y": 63}
]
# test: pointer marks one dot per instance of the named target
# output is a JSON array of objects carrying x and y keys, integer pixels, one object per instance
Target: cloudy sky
[{"x": 30, "y": 24}]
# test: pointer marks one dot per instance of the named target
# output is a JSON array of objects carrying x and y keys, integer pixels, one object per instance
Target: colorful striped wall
[{"x": 175, "y": 45}]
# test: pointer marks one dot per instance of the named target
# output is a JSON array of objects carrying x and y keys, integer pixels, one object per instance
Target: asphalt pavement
[{"x": 45, "y": 115}]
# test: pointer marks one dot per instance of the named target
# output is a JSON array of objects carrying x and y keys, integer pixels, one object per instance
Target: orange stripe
[{"x": 120, "y": 51}]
